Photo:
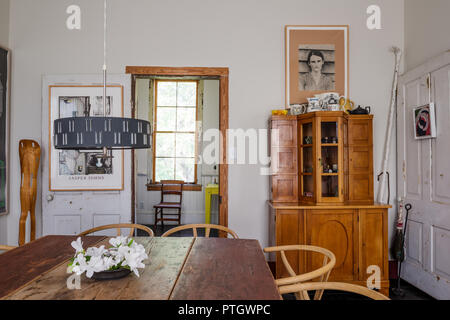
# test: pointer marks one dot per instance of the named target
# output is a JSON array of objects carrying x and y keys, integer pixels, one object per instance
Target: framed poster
[
  {"x": 84, "y": 170},
  {"x": 424, "y": 122},
  {"x": 316, "y": 61},
  {"x": 5, "y": 58}
]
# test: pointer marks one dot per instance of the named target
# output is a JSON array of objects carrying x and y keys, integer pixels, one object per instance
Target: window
[{"x": 175, "y": 135}]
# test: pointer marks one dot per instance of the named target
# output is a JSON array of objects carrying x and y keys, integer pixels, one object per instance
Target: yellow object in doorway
[{"x": 210, "y": 189}]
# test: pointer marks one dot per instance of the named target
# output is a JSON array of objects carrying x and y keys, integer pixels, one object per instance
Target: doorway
[{"x": 150, "y": 166}]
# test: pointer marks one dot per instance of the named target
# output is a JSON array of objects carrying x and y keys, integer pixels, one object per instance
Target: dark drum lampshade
[
  {"x": 106, "y": 133},
  {"x": 101, "y": 132}
]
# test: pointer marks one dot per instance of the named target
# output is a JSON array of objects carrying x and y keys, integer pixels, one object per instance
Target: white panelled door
[
  {"x": 424, "y": 178},
  {"x": 70, "y": 212}
]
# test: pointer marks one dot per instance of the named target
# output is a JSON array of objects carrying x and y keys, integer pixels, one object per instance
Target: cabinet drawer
[
  {"x": 284, "y": 160},
  {"x": 285, "y": 188}
]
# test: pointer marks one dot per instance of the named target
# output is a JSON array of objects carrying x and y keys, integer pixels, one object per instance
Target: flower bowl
[{"x": 111, "y": 274}]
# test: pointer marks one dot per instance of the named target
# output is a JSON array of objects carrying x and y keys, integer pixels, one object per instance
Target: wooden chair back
[
  {"x": 172, "y": 187},
  {"x": 119, "y": 226},
  {"x": 340, "y": 286},
  {"x": 322, "y": 273},
  {"x": 207, "y": 228}
]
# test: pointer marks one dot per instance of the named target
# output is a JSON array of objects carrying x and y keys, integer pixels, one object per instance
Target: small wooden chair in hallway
[
  {"x": 207, "y": 228},
  {"x": 120, "y": 226},
  {"x": 169, "y": 188}
]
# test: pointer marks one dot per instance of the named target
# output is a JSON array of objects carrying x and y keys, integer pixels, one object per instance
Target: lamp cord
[{"x": 104, "y": 58}]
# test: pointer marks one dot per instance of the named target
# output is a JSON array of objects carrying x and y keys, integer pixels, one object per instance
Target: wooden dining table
[{"x": 177, "y": 268}]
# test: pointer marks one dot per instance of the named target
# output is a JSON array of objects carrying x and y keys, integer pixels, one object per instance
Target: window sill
[{"x": 186, "y": 187}]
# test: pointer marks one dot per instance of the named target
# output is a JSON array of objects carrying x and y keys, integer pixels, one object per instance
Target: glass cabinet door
[
  {"x": 330, "y": 181},
  {"x": 307, "y": 160}
]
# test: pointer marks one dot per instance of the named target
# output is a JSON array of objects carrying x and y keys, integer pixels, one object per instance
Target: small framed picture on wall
[
  {"x": 424, "y": 122},
  {"x": 316, "y": 61}
]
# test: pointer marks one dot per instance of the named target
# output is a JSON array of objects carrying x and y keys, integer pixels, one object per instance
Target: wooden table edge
[
  {"x": 270, "y": 271},
  {"x": 5, "y": 297}
]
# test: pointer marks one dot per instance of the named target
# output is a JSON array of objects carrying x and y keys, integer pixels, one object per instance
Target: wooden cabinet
[
  {"x": 356, "y": 234},
  {"x": 329, "y": 152},
  {"x": 322, "y": 195}
]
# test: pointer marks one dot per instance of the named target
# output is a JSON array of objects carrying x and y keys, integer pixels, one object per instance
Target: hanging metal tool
[{"x": 387, "y": 142}]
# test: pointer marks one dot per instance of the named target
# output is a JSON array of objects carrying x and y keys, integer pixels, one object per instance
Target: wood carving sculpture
[{"x": 30, "y": 154}]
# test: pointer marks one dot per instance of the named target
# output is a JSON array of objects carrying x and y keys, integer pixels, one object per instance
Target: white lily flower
[
  {"x": 101, "y": 259},
  {"x": 118, "y": 241},
  {"x": 77, "y": 245},
  {"x": 95, "y": 252}
]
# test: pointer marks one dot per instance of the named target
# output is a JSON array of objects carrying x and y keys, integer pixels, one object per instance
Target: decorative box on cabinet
[{"x": 356, "y": 234}]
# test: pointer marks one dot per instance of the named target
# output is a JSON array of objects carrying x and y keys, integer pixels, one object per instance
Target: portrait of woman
[
  {"x": 316, "y": 62},
  {"x": 315, "y": 79}
]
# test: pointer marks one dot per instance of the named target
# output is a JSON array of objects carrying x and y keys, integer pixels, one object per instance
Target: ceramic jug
[{"x": 346, "y": 104}]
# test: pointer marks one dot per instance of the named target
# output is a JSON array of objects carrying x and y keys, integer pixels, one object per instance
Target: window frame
[{"x": 155, "y": 127}]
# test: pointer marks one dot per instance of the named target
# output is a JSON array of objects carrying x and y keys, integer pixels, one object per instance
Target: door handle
[{"x": 50, "y": 197}]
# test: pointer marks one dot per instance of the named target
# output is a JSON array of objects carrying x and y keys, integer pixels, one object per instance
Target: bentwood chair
[
  {"x": 340, "y": 286},
  {"x": 6, "y": 248},
  {"x": 329, "y": 260},
  {"x": 207, "y": 228},
  {"x": 119, "y": 226},
  {"x": 169, "y": 188}
]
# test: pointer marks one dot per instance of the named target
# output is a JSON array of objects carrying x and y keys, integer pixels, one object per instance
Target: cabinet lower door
[
  {"x": 289, "y": 231},
  {"x": 334, "y": 230},
  {"x": 373, "y": 245}
]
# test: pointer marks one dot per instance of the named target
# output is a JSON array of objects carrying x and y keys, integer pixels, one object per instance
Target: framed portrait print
[
  {"x": 5, "y": 58},
  {"x": 84, "y": 170},
  {"x": 424, "y": 122},
  {"x": 316, "y": 61}
]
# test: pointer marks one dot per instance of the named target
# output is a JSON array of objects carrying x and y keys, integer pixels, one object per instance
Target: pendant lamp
[{"x": 105, "y": 133}]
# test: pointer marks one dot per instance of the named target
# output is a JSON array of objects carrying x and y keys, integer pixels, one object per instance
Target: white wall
[
  {"x": 211, "y": 102},
  {"x": 426, "y": 30},
  {"x": 4, "y": 42},
  {"x": 142, "y": 105},
  {"x": 246, "y": 36},
  {"x": 4, "y": 23}
]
